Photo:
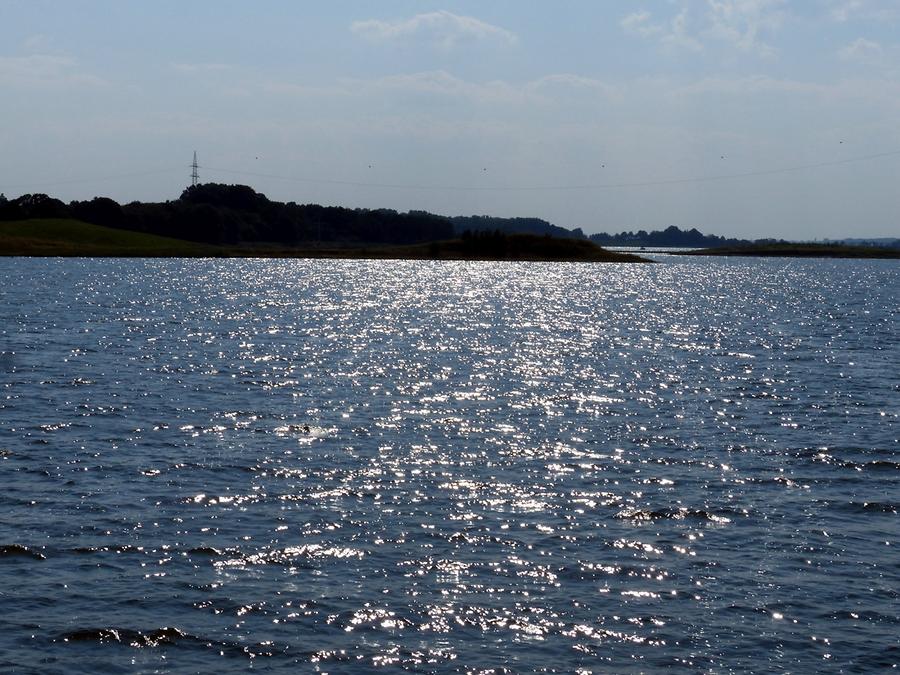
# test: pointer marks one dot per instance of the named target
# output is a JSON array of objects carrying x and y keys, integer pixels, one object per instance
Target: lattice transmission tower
[{"x": 195, "y": 171}]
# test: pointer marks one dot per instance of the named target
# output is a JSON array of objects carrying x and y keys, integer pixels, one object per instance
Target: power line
[
  {"x": 461, "y": 188},
  {"x": 550, "y": 188}
]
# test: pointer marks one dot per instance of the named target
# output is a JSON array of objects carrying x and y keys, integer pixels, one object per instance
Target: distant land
[
  {"x": 801, "y": 250},
  {"x": 881, "y": 242},
  {"x": 671, "y": 237},
  {"x": 230, "y": 216}
]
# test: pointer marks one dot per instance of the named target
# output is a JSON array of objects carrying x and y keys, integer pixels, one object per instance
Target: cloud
[
  {"x": 674, "y": 33},
  {"x": 44, "y": 70},
  {"x": 678, "y": 34},
  {"x": 752, "y": 86},
  {"x": 843, "y": 11},
  {"x": 555, "y": 89},
  {"x": 572, "y": 83},
  {"x": 741, "y": 23},
  {"x": 638, "y": 23},
  {"x": 443, "y": 28},
  {"x": 862, "y": 50}
]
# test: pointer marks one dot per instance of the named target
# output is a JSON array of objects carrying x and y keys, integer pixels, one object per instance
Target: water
[{"x": 340, "y": 466}]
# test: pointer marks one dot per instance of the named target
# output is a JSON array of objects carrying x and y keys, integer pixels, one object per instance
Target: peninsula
[{"x": 74, "y": 238}]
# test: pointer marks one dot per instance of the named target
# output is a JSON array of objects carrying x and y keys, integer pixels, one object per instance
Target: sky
[{"x": 749, "y": 118}]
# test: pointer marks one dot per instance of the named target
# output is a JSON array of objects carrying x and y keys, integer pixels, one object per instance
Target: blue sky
[{"x": 738, "y": 117}]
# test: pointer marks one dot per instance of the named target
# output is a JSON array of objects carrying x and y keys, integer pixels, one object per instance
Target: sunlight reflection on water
[{"x": 449, "y": 466}]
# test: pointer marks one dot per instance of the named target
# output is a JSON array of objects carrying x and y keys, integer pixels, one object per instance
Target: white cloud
[
  {"x": 552, "y": 89},
  {"x": 43, "y": 70},
  {"x": 678, "y": 34},
  {"x": 843, "y": 11},
  {"x": 862, "y": 50},
  {"x": 740, "y": 23},
  {"x": 443, "y": 28},
  {"x": 560, "y": 88},
  {"x": 744, "y": 22},
  {"x": 671, "y": 34},
  {"x": 573, "y": 83},
  {"x": 638, "y": 23},
  {"x": 751, "y": 86}
]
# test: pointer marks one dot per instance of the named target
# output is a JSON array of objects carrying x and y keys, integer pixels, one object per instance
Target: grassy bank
[
  {"x": 78, "y": 239},
  {"x": 801, "y": 251},
  {"x": 53, "y": 237}
]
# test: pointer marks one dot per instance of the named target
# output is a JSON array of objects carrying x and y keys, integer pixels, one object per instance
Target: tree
[
  {"x": 99, "y": 211},
  {"x": 39, "y": 205}
]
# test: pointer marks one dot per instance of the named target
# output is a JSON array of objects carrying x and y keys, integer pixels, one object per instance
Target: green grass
[
  {"x": 62, "y": 237},
  {"x": 57, "y": 237},
  {"x": 801, "y": 251}
]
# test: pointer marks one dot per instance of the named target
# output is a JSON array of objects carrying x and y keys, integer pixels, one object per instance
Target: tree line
[
  {"x": 232, "y": 214},
  {"x": 671, "y": 236},
  {"x": 215, "y": 213}
]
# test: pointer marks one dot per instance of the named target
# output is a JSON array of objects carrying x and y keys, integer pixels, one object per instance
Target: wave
[
  {"x": 681, "y": 513},
  {"x": 123, "y": 548},
  {"x": 134, "y": 638},
  {"x": 159, "y": 637},
  {"x": 290, "y": 555},
  {"x": 19, "y": 551},
  {"x": 206, "y": 550},
  {"x": 872, "y": 507}
]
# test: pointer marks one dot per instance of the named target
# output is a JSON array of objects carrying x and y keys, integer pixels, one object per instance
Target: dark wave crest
[{"x": 19, "y": 551}]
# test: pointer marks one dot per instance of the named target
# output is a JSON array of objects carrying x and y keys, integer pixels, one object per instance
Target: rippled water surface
[{"x": 340, "y": 466}]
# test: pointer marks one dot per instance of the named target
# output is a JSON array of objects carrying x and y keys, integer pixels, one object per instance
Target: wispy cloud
[
  {"x": 742, "y": 23},
  {"x": 862, "y": 50},
  {"x": 678, "y": 35},
  {"x": 559, "y": 88},
  {"x": 573, "y": 83},
  {"x": 842, "y": 11},
  {"x": 640, "y": 23},
  {"x": 673, "y": 33},
  {"x": 44, "y": 70},
  {"x": 442, "y": 28},
  {"x": 745, "y": 22}
]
